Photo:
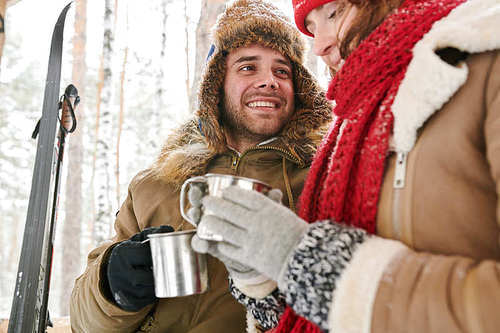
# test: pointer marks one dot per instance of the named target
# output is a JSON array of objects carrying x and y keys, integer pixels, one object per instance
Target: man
[{"x": 260, "y": 115}]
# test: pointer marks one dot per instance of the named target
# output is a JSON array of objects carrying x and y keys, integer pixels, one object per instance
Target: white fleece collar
[{"x": 430, "y": 82}]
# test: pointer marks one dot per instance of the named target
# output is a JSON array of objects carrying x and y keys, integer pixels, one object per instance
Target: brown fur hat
[{"x": 245, "y": 22}]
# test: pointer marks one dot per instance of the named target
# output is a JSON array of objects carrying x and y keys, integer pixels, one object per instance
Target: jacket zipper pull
[
  {"x": 400, "y": 171},
  {"x": 234, "y": 162}
]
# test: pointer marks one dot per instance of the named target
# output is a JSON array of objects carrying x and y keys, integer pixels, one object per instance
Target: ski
[{"x": 29, "y": 306}]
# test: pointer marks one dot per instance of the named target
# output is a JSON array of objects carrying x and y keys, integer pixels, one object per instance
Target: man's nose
[{"x": 267, "y": 80}]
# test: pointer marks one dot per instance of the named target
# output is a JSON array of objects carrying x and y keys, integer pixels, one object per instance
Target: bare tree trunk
[
  {"x": 158, "y": 116},
  {"x": 72, "y": 226},
  {"x": 161, "y": 72},
  {"x": 104, "y": 159},
  {"x": 210, "y": 9},
  {"x": 186, "y": 50},
  {"x": 3, "y": 9},
  {"x": 120, "y": 121},
  {"x": 91, "y": 222}
]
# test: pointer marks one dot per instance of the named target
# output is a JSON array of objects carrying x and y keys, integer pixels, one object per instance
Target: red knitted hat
[{"x": 301, "y": 8}]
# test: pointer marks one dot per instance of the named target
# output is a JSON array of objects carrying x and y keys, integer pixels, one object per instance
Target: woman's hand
[{"x": 256, "y": 230}]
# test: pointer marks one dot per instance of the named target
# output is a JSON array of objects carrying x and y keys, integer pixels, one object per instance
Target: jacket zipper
[
  {"x": 235, "y": 162},
  {"x": 398, "y": 185},
  {"x": 400, "y": 171}
]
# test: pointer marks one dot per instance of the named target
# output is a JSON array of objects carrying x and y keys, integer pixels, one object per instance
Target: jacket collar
[
  {"x": 429, "y": 81},
  {"x": 186, "y": 152}
]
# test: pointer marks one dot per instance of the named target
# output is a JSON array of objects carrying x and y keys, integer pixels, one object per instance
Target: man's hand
[
  {"x": 130, "y": 273},
  {"x": 256, "y": 230}
]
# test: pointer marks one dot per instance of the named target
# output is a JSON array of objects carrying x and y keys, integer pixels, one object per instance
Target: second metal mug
[
  {"x": 214, "y": 184},
  {"x": 178, "y": 270}
]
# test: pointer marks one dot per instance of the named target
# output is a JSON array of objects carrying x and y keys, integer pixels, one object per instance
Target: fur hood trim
[
  {"x": 429, "y": 81},
  {"x": 184, "y": 154}
]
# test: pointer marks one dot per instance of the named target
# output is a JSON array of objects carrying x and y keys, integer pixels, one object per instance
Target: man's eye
[
  {"x": 333, "y": 14},
  {"x": 246, "y": 68},
  {"x": 282, "y": 72}
]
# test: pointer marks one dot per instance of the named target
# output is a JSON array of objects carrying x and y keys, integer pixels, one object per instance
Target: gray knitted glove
[
  {"x": 196, "y": 192},
  {"x": 237, "y": 270},
  {"x": 256, "y": 230}
]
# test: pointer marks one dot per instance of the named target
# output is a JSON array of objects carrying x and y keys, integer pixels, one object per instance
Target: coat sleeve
[
  {"x": 367, "y": 283},
  {"x": 346, "y": 281},
  {"x": 90, "y": 307},
  {"x": 264, "y": 303}
]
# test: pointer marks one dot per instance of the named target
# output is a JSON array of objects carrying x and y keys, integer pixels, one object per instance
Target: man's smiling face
[{"x": 258, "y": 94}]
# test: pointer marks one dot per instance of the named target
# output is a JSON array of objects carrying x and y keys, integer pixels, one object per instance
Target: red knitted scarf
[{"x": 344, "y": 180}]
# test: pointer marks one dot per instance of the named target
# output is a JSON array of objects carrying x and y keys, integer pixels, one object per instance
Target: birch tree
[
  {"x": 3, "y": 10},
  {"x": 3, "y": 7},
  {"x": 210, "y": 9},
  {"x": 104, "y": 164},
  {"x": 186, "y": 50},
  {"x": 122, "y": 111},
  {"x": 157, "y": 114},
  {"x": 72, "y": 225}
]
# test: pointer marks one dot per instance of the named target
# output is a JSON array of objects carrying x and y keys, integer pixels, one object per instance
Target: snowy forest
[{"x": 136, "y": 65}]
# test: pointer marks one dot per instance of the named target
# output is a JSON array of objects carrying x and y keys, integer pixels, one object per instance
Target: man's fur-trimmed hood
[{"x": 243, "y": 23}]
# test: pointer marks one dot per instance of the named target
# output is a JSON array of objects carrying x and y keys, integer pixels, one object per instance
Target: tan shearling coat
[{"x": 435, "y": 266}]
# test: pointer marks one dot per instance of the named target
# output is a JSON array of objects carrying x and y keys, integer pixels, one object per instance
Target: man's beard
[{"x": 234, "y": 120}]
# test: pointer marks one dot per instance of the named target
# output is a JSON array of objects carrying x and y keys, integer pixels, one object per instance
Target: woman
[{"x": 402, "y": 199}]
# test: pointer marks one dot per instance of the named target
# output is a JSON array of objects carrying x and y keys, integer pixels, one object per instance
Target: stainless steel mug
[
  {"x": 213, "y": 184},
  {"x": 178, "y": 270}
]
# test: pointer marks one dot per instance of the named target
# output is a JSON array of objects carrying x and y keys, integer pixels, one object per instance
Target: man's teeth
[{"x": 261, "y": 103}]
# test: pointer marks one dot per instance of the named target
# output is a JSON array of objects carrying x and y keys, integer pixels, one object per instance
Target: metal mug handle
[
  {"x": 202, "y": 234},
  {"x": 182, "y": 201}
]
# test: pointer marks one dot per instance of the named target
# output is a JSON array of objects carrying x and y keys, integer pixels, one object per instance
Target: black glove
[{"x": 130, "y": 272}]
